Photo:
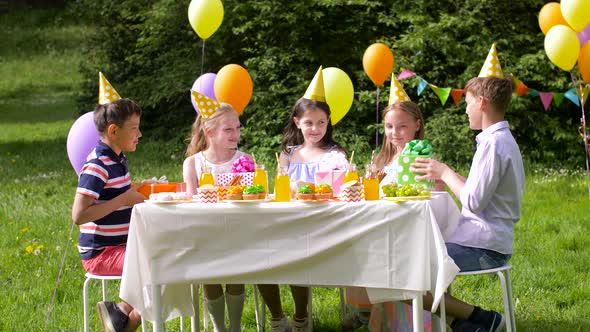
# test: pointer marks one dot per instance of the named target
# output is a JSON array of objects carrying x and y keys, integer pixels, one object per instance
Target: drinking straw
[
  {"x": 351, "y": 156},
  {"x": 254, "y": 159},
  {"x": 372, "y": 157},
  {"x": 278, "y": 162}
]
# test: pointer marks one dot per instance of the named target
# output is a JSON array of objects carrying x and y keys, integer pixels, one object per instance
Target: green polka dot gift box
[{"x": 414, "y": 149}]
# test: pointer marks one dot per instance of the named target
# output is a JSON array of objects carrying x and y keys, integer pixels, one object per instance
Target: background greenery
[
  {"x": 39, "y": 83},
  {"x": 149, "y": 52}
]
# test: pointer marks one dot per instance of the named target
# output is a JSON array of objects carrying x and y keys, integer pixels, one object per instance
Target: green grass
[{"x": 39, "y": 58}]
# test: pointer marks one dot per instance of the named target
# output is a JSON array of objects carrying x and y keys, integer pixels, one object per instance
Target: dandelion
[
  {"x": 58, "y": 248},
  {"x": 13, "y": 161},
  {"x": 24, "y": 230},
  {"x": 29, "y": 249}
]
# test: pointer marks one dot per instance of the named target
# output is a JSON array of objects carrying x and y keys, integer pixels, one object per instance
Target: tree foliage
[{"x": 148, "y": 50}]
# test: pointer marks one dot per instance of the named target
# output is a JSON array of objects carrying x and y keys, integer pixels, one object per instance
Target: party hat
[
  {"x": 491, "y": 68},
  {"x": 106, "y": 92},
  {"x": 207, "y": 106},
  {"x": 315, "y": 91},
  {"x": 397, "y": 93}
]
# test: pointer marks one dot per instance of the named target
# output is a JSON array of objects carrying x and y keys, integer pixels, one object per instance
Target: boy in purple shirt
[
  {"x": 491, "y": 196},
  {"x": 103, "y": 202}
]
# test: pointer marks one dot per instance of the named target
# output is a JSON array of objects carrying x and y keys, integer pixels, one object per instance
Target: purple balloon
[
  {"x": 205, "y": 85},
  {"x": 82, "y": 139},
  {"x": 584, "y": 35}
]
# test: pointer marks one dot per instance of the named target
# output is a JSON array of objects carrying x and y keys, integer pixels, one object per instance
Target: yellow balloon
[
  {"x": 562, "y": 47},
  {"x": 205, "y": 16},
  {"x": 339, "y": 92},
  {"x": 576, "y": 13}
]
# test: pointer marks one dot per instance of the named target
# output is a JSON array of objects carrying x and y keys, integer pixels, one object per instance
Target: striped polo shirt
[{"x": 103, "y": 177}]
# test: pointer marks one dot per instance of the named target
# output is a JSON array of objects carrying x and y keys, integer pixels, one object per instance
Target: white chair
[
  {"x": 261, "y": 317},
  {"x": 104, "y": 280},
  {"x": 503, "y": 273}
]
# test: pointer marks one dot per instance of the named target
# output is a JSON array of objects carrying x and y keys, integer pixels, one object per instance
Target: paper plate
[{"x": 407, "y": 198}]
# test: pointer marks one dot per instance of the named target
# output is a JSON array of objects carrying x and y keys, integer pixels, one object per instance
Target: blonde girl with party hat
[
  {"x": 307, "y": 147},
  {"x": 402, "y": 123},
  {"x": 213, "y": 144}
]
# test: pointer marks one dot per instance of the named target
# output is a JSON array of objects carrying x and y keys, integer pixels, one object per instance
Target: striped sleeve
[{"x": 93, "y": 178}]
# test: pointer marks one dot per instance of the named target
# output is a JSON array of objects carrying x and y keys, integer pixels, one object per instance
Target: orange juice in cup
[
  {"x": 260, "y": 177},
  {"x": 351, "y": 174},
  {"x": 371, "y": 183},
  {"x": 282, "y": 186}
]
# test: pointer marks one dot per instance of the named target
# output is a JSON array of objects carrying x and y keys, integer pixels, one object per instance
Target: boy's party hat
[
  {"x": 106, "y": 92},
  {"x": 315, "y": 91},
  {"x": 207, "y": 106},
  {"x": 397, "y": 92},
  {"x": 491, "y": 68}
]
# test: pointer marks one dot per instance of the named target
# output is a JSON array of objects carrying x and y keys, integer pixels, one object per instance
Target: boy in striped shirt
[{"x": 103, "y": 202}]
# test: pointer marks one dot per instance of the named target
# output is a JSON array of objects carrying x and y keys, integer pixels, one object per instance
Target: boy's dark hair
[
  {"x": 116, "y": 112},
  {"x": 293, "y": 136},
  {"x": 498, "y": 91}
]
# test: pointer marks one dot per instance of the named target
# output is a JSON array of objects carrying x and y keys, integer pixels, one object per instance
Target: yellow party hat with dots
[
  {"x": 315, "y": 91},
  {"x": 397, "y": 92},
  {"x": 207, "y": 106},
  {"x": 106, "y": 92},
  {"x": 491, "y": 68}
]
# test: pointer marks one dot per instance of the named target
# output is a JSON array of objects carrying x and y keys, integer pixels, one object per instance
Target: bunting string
[{"x": 547, "y": 98}]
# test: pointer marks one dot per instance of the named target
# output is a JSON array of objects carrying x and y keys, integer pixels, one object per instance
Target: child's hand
[
  {"x": 132, "y": 196},
  {"x": 432, "y": 169}
]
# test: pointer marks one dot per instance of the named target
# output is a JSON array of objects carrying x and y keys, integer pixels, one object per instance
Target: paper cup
[
  {"x": 209, "y": 196},
  {"x": 351, "y": 194}
]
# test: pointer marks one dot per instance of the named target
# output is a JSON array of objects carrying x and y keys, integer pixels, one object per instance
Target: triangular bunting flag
[
  {"x": 557, "y": 98},
  {"x": 405, "y": 74},
  {"x": 546, "y": 98},
  {"x": 533, "y": 92},
  {"x": 315, "y": 90},
  {"x": 207, "y": 106},
  {"x": 583, "y": 92},
  {"x": 106, "y": 92},
  {"x": 457, "y": 94},
  {"x": 442, "y": 93},
  {"x": 397, "y": 92},
  {"x": 572, "y": 96},
  {"x": 421, "y": 86},
  {"x": 491, "y": 67}
]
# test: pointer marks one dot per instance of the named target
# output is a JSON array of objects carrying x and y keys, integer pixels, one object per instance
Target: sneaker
[
  {"x": 301, "y": 325},
  {"x": 111, "y": 317},
  {"x": 281, "y": 325},
  {"x": 491, "y": 320},
  {"x": 460, "y": 325}
]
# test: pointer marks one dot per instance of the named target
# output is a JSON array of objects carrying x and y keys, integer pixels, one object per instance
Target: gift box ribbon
[{"x": 418, "y": 147}]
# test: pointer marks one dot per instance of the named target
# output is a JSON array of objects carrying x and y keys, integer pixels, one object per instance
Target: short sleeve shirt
[{"x": 103, "y": 177}]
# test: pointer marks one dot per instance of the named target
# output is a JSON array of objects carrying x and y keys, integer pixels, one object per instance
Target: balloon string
[
  {"x": 377, "y": 120},
  {"x": 580, "y": 93},
  {"x": 202, "y": 57}
]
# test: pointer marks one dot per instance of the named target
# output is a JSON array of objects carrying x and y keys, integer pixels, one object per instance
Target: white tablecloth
[{"x": 394, "y": 249}]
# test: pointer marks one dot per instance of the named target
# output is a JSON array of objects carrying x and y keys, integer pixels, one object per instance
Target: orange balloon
[
  {"x": 584, "y": 62},
  {"x": 550, "y": 16},
  {"x": 378, "y": 63},
  {"x": 233, "y": 85}
]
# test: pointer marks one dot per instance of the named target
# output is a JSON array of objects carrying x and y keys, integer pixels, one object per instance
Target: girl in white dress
[
  {"x": 214, "y": 142},
  {"x": 307, "y": 147}
]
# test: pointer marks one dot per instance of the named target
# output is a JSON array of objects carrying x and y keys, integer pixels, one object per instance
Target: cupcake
[
  {"x": 255, "y": 191},
  {"x": 234, "y": 193},
  {"x": 323, "y": 192},
  {"x": 305, "y": 192}
]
